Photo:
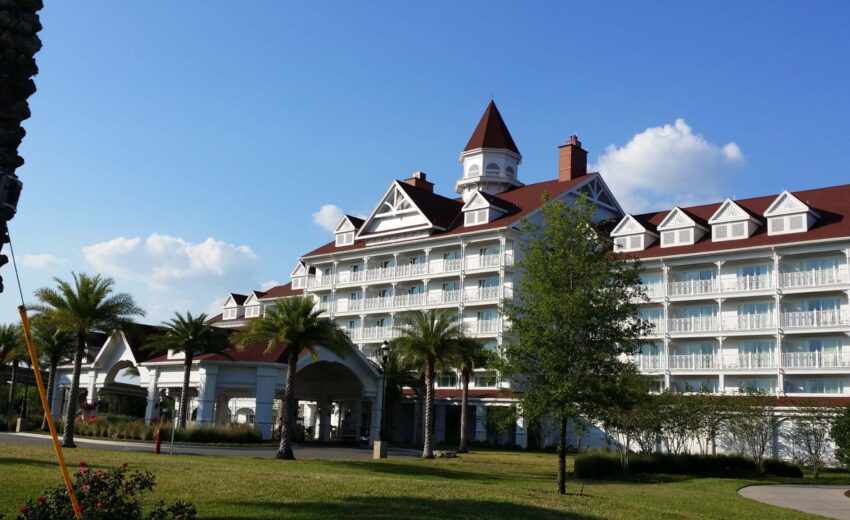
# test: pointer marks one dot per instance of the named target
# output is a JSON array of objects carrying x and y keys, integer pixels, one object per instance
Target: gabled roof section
[
  {"x": 729, "y": 211},
  {"x": 441, "y": 211},
  {"x": 786, "y": 204},
  {"x": 253, "y": 298},
  {"x": 395, "y": 205},
  {"x": 482, "y": 200},
  {"x": 348, "y": 223},
  {"x": 491, "y": 132},
  {"x": 298, "y": 270},
  {"x": 281, "y": 291},
  {"x": 679, "y": 218},
  {"x": 234, "y": 300},
  {"x": 629, "y": 225}
]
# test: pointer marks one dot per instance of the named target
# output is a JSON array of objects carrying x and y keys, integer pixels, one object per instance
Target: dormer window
[
  {"x": 252, "y": 311},
  {"x": 788, "y": 214},
  {"x": 731, "y": 222},
  {"x": 482, "y": 208},
  {"x": 229, "y": 314},
  {"x": 631, "y": 235},
  {"x": 345, "y": 239},
  {"x": 472, "y": 218},
  {"x": 492, "y": 170},
  {"x": 680, "y": 229}
]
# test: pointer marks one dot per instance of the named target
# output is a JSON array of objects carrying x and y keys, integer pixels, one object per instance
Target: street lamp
[{"x": 385, "y": 356}]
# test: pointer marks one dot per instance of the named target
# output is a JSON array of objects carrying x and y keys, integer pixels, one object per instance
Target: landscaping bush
[
  {"x": 128, "y": 428},
  {"x": 230, "y": 433},
  {"x": 114, "y": 493},
  {"x": 605, "y": 465}
]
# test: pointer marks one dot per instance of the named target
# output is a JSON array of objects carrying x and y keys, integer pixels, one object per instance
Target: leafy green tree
[
  {"x": 87, "y": 304},
  {"x": 810, "y": 432},
  {"x": 680, "y": 421},
  {"x": 53, "y": 345},
  {"x": 190, "y": 336},
  {"x": 840, "y": 433},
  {"x": 298, "y": 326},
  {"x": 12, "y": 349},
  {"x": 751, "y": 425},
  {"x": 622, "y": 412},
  {"x": 575, "y": 314},
  {"x": 469, "y": 355},
  {"x": 427, "y": 340}
]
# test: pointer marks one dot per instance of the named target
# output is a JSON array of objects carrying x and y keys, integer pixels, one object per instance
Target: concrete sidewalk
[
  {"x": 826, "y": 501},
  {"x": 264, "y": 452}
]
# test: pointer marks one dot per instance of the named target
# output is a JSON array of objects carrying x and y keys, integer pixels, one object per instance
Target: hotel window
[
  {"x": 473, "y": 171},
  {"x": 668, "y": 238},
  {"x": 753, "y": 270},
  {"x": 297, "y": 282},
  {"x": 620, "y": 243},
  {"x": 824, "y": 345},
  {"x": 447, "y": 379},
  {"x": 510, "y": 172},
  {"x": 755, "y": 347},
  {"x": 252, "y": 311},
  {"x": 490, "y": 315},
  {"x": 229, "y": 314},
  {"x": 491, "y": 346},
  {"x": 344, "y": 239},
  {"x": 492, "y": 170},
  {"x": 487, "y": 380},
  {"x": 472, "y": 218}
]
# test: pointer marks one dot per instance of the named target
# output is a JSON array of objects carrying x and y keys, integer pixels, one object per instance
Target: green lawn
[{"x": 483, "y": 485}]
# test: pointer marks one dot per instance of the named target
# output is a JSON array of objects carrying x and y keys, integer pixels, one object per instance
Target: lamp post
[{"x": 385, "y": 356}]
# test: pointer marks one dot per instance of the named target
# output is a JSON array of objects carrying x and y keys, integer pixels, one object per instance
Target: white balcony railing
[
  {"x": 753, "y": 360},
  {"x": 692, "y": 287},
  {"x": 487, "y": 326},
  {"x": 692, "y": 362},
  {"x": 654, "y": 290},
  {"x": 482, "y": 261},
  {"x": 749, "y": 283},
  {"x": 750, "y": 322},
  {"x": 816, "y": 359},
  {"x": 814, "y": 319},
  {"x": 693, "y": 324},
  {"x": 648, "y": 361},
  {"x": 477, "y": 294},
  {"x": 657, "y": 324},
  {"x": 814, "y": 278}
]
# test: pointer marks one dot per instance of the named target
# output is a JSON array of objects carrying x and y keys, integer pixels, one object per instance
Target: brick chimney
[
  {"x": 572, "y": 160},
  {"x": 418, "y": 181}
]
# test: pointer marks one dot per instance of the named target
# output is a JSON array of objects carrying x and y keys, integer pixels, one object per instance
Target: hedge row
[
  {"x": 606, "y": 465},
  {"x": 109, "y": 428}
]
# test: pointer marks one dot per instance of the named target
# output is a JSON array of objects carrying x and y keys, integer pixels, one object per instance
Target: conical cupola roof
[{"x": 491, "y": 132}]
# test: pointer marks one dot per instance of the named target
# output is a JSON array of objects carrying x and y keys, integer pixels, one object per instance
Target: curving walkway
[{"x": 828, "y": 501}]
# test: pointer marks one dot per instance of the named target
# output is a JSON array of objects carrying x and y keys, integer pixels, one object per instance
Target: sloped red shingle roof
[{"x": 491, "y": 132}]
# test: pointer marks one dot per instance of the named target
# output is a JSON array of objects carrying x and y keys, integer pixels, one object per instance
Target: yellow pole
[{"x": 44, "y": 403}]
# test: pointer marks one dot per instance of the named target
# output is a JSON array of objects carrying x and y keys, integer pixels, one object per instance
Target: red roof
[
  {"x": 831, "y": 204},
  {"x": 281, "y": 291},
  {"x": 254, "y": 354},
  {"x": 522, "y": 201},
  {"x": 491, "y": 132}
]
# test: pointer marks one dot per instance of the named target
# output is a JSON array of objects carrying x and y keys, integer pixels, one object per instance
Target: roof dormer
[
  {"x": 788, "y": 214},
  {"x": 233, "y": 307},
  {"x": 298, "y": 276},
  {"x": 346, "y": 230},
  {"x": 631, "y": 235},
  {"x": 482, "y": 208},
  {"x": 732, "y": 222},
  {"x": 252, "y": 305},
  {"x": 680, "y": 229}
]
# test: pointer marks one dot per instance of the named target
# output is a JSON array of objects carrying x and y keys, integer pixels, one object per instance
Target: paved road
[
  {"x": 265, "y": 452},
  {"x": 826, "y": 501}
]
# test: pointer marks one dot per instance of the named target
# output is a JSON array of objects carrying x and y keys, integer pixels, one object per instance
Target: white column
[
  {"x": 521, "y": 434},
  {"x": 206, "y": 395},
  {"x": 440, "y": 423},
  {"x": 92, "y": 387},
  {"x": 264, "y": 408},
  {"x": 377, "y": 415},
  {"x": 56, "y": 399},
  {"x": 325, "y": 420},
  {"x": 311, "y": 416},
  {"x": 152, "y": 409},
  {"x": 357, "y": 417},
  {"x": 480, "y": 423}
]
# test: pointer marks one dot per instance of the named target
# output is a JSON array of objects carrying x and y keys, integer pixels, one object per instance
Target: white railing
[
  {"x": 816, "y": 359},
  {"x": 693, "y": 324},
  {"x": 482, "y": 261},
  {"x": 750, "y": 322},
  {"x": 654, "y": 290},
  {"x": 378, "y": 302},
  {"x": 813, "y": 278},
  {"x": 752, "y": 360},
  {"x": 324, "y": 306},
  {"x": 487, "y": 326},
  {"x": 692, "y": 361},
  {"x": 648, "y": 361},
  {"x": 805, "y": 319},
  {"x": 657, "y": 326},
  {"x": 378, "y": 332},
  {"x": 748, "y": 283},
  {"x": 691, "y": 287},
  {"x": 477, "y": 294}
]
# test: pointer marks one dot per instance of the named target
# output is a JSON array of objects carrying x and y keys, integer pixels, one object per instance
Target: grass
[{"x": 485, "y": 484}]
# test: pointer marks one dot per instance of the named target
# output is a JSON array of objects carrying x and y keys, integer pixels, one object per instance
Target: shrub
[
  {"x": 604, "y": 465},
  {"x": 114, "y": 493},
  {"x": 128, "y": 428}
]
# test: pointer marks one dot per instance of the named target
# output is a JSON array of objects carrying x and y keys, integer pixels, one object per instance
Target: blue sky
[{"x": 184, "y": 147}]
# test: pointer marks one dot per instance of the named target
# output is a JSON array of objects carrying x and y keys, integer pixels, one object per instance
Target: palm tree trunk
[
  {"x": 464, "y": 409},
  {"x": 184, "y": 393},
  {"x": 428, "y": 448},
  {"x": 51, "y": 387},
  {"x": 284, "y": 451},
  {"x": 10, "y": 404},
  {"x": 562, "y": 457},
  {"x": 71, "y": 405}
]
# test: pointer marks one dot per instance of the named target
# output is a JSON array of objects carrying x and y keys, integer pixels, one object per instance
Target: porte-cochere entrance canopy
[{"x": 339, "y": 396}]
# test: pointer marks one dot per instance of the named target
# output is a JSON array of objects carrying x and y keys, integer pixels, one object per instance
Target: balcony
[
  {"x": 654, "y": 290},
  {"x": 693, "y": 324},
  {"x": 480, "y": 294},
  {"x": 746, "y": 322},
  {"x": 657, "y": 325},
  {"x": 647, "y": 362},
  {"x": 816, "y": 360},
  {"x": 760, "y": 282},
  {"x": 482, "y": 261},
  {"x": 814, "y": 319},
  {"x": 693, "y": 287},
  {"x": 693, "y": 362},
  {"x": 487, "y": 326},
  {"x": 815, "y": 278},
  {"x": 750, "y": 361}
]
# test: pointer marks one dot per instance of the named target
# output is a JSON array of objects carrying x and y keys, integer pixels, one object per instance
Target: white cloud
[
  {"x": 164, "y": 262},
  {"x": 42, "y": 261},
  {"x": 328, "y": 216},
  {"x": 265, "y": 286},
  {"x": 668, "y": 165}
]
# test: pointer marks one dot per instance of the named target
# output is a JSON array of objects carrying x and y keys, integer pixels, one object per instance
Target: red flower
[
  {"x": 83, "y": 464},
  {"x": 24, "y": 509},
  {"x": 41, "y": 500},
  {"x": 125, "y": 464},
  {"x": 86, "y": 488},
  {"x": 99, "y": 504}
]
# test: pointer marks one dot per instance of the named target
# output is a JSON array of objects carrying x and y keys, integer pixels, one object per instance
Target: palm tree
[
  {"x": 469, "y": 355},
  {"x": 295, "y": 324},
  {"x": 192, "y": 336},
  {"x": 87, "y": 305},
  {"x": 11, "y": 349},
  {"x": 427, "y": 340},
  {"x": 53, "y": 345}
]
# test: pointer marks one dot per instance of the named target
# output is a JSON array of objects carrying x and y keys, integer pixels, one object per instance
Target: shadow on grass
[
  {"x": 28, "y": 462},
  {"x": 395, "y": 507},
  {"x": 414, "y": 470}
]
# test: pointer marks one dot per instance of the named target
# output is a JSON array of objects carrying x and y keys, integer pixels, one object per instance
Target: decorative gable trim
[
  {"x": 344, "y": 225},
  {"x": 598, "y": 192},
  {"x": 786, "y": 204},
  {"x": 394, "y": 204},
  {"x": 788, "y": 214},
  {"x": 677, "y": 219},
  {"x": 628, "y": 225},
  {"x": 298, "y": 270},
  {"x": 231, "y": 301},
  {"x": 479, "y": 201},
  {"x": 729, "y": 211}
]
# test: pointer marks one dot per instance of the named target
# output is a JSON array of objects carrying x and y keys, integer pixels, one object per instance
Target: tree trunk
[
  {"x": 51, "y": 387},
  {"x": 464, "y": 408},
  {"x": 71, "y": 405},
  {"x": 284, "y": 451},
  {"x": 184, "y": 392},
  {"x": 427, "y": 446},
  {"x": 562, "y": 457},
  {"x": 13, "y": 382}
]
